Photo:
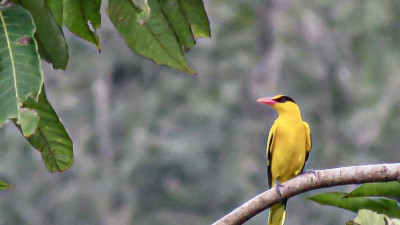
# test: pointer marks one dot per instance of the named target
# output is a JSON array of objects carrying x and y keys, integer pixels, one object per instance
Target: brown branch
[{"x": 310, "y": 181}]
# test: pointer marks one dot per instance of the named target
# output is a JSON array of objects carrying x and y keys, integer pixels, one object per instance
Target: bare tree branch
[{"x": 310, "y": 181}]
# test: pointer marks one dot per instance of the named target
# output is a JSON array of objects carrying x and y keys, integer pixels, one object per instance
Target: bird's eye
[
  {"x": 284, "y": 99},
  {"x": 281, "y": 99}
]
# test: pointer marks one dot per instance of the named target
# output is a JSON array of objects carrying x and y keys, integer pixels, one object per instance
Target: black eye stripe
[{"x": 283, "y": 99}]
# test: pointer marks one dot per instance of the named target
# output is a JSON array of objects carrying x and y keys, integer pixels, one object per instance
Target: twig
[{"x": 310, "y": 181}]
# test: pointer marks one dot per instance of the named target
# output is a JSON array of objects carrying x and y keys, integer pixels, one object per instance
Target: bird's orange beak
[{"x": 266, "y": 100}]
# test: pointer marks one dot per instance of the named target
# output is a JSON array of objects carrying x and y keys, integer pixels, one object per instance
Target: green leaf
[
  {"x": 196, "y": 16},
  {"x": 388, "y": 189},
  {"x": 20, "y": 68},
  {"x": 50, "y": 137},
  {"x": 4, "y": 185},
  {"x": 29, "y": 121},
  {"x": 91, "y": 9},
  {"x": 380, "y": 205},
  {"x": 155, "y": 39},
  {"x": 368, "y": 217},
  {"x": 56, "y": 7},
  {"x": 83, "y": 19},
  {"x": 175, "y": 15},
  {"x": 49, "y": 36}
]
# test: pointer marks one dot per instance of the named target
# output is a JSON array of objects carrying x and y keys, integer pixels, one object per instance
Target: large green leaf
[
  {"x": 175, "y": 15},
  {"x": 49, "y": 36},
  {"x": 82, "y": 17},
  {"x": 389, "y": 189},
  {"x": 155, "y": 39},
  {"x": 20, "y": 68},
  {"x": 379, "y": 205},
  {"x": 196, "y": 16},
  {"x": 50, "y": 137}
]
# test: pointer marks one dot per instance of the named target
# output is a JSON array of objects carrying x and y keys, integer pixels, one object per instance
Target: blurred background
[{"x": 156, "y": 146}]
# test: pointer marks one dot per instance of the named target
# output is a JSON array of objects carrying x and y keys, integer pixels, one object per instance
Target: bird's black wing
[{"x": 270, "y": 147}]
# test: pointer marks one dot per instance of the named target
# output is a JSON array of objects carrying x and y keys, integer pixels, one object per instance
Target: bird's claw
[{"x": 278, "y": 187}]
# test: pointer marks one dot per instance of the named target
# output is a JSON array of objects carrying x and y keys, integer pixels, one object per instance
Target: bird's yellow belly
[{"x": 289, "y": 153}]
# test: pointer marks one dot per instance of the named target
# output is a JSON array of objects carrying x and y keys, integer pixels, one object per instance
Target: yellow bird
[{"x": 288, "y": 146}]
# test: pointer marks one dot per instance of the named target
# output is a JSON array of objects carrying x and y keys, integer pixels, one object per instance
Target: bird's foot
[{"x": 278, "y": 187}]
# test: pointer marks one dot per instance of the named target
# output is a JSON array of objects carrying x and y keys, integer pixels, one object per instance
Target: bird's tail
[{"x": 277, "y": 214}]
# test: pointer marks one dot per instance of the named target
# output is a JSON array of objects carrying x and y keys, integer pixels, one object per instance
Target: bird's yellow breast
[{"x": 288, "y": 152}]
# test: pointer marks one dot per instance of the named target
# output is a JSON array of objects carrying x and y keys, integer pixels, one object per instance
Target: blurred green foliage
[{"x": 156, "y": 146}]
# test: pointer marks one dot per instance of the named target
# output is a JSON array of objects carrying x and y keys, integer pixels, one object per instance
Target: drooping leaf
[
  {"x": 388, "y": 189},
  {"x": 175, "y": 15},
  {"x": 83, "y": 19},
  {"x": 4, "y": 185},
  {"x": 29, "y": 121},
  {"x": 155, "y": 39},
  {"x": 368, "y": 217},
  {"x": 49, "y": 36},
  {"x": 380, "y": 205},
  {"x": 196, "y": 16},
  {"x": 56, "y": 7},
  {"x": 20, "y": 68},
  {"x": 50, "y": 138},
  {"x": 91, "y": 11}
]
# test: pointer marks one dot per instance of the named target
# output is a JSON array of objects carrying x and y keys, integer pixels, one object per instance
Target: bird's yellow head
[{"x": 281, "y": 103}]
